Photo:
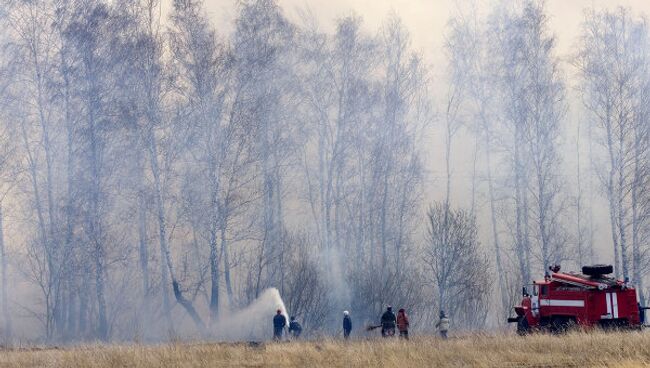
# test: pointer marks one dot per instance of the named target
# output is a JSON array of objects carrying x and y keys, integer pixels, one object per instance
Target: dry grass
[{"x": 626, "y": 349}]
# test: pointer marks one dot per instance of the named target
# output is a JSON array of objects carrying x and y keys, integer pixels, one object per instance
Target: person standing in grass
[
  {"x": 347, "y": 325},
  {"x": 443, "y": 325},
  {"x": 388, "y": 321},
  {"x": 279, "y": 323},
  {"x": 295, "y": 329},
  {"x": 403, "y": 324}
]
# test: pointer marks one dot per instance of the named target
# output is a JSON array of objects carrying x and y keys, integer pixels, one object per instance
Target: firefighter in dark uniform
[
  {"x": 347, "y": 325},
  {"x": 295, "y": 329},
  {"x": 388, "y": 321},
  {"x": 279, "y": 323}
]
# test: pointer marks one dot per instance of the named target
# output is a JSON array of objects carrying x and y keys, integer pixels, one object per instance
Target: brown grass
[{"x": 625, "y": 349}]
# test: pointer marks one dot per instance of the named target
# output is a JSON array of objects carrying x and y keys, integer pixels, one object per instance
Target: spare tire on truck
[{"x": 597, "y": 270}]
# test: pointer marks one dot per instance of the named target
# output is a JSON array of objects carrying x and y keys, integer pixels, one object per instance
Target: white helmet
[{"x": 345, "y": 313}]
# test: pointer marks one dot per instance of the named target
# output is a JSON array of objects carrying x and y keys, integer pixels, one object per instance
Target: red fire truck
[{"x": 589, "y": 299}]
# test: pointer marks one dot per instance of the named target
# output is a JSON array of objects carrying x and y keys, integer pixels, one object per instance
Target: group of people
[
  {"x": 280, "y": 323},
  {"x": 389, "y": 322}
]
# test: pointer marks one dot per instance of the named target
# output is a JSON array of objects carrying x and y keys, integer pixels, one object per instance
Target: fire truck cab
[{"x": 589, "y": 299}]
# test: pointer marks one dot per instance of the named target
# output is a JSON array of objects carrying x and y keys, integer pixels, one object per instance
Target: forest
[{"x": 159, "y": 171}]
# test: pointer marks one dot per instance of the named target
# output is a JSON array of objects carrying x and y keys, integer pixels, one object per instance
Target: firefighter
[
  {"x": 279, "y": 323},
  {"x": 388, "y": 322},
  {"x": 347, "y": 325},
  {"x": 443, "y": 325},
  {"x": 403, "y": 324},
  {"x": 295, "y": 329}
]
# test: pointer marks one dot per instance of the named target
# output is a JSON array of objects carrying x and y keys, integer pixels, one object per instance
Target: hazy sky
[{"x": 425, "y": 19}]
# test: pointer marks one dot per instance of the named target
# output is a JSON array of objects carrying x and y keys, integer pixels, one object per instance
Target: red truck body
[{"x": 564, "y": 299}]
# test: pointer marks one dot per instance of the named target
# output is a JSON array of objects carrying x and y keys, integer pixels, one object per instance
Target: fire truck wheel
[
  {"x": 597, "y": 270},
  {"x": 523, "y": 328}
]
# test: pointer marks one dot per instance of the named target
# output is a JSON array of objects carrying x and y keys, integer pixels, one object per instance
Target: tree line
[{"x": 159, "y": 172}]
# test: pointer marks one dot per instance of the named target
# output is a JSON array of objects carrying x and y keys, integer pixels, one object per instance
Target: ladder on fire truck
[{"x": 574, "y": 280}]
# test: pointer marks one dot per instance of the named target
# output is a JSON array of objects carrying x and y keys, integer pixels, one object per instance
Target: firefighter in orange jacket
[{"x": 403, "y": 324}]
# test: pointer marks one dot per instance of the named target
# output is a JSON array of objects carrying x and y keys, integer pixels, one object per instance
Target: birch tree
[
  {"x": 546, "y": 108},
  {"x": 612, "y": 61},
  {"x": 262, "y": 45}
]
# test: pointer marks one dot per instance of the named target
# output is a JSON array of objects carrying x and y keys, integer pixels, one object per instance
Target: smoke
[
  {"x": 335, "y": 277},
  {"x": 338, "y": 289},
  {"x": 254, "y": 322}
]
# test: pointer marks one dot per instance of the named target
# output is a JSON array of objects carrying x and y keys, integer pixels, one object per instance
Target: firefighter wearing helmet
[{"x": 347, "y": 324}]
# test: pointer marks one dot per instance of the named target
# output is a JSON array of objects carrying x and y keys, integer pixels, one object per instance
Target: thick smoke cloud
[{"x": 252, "y": 323}]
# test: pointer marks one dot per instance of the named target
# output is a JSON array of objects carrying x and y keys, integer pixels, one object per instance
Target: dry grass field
[{"x": 631, "y": 349}]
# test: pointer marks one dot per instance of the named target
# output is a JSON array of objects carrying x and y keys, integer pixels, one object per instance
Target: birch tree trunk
[{"x": 6, "y": 317}]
